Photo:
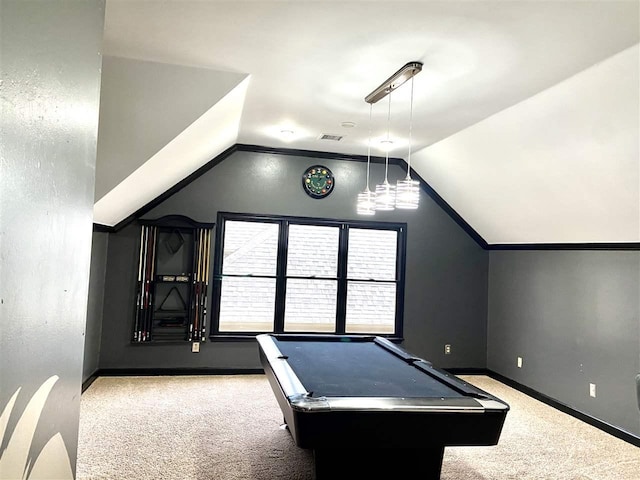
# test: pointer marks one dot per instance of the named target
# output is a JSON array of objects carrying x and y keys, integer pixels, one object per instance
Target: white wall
[
  {"x": 573, "y": 149},
  {"x": 144, "y": 106}
]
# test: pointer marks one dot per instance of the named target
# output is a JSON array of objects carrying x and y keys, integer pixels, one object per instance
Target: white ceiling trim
[{"x": 206, "y": 138}]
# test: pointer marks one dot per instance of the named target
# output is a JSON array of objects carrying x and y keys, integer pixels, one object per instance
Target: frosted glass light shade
[
  {"x": 366, "y": 202},
  {"x": 385, "y": 196},
  {"x": 407, "y": 193}
]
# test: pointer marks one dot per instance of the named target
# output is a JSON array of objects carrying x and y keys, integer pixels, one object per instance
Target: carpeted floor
[{"x": 229, "y": 428}]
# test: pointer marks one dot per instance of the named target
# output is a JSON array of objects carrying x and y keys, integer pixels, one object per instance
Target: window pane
[
  {"x": 247, "y": 304},
  {"x": 310, "y": 305},
  {"x": 372, "y": 254},
  {"x": 313, "y": 250},
  {"x": 250, "y": 248},
  {"x": 371, "y": 307}
]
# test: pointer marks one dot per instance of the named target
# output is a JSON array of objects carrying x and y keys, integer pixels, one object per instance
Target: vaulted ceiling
[{"x": 525, "y": 114}]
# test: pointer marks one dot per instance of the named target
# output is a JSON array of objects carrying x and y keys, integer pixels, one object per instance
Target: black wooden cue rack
[{"x": 173, "y": 280}]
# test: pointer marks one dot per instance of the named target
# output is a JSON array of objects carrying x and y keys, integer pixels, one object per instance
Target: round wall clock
[{"x": 318, "y": 181}]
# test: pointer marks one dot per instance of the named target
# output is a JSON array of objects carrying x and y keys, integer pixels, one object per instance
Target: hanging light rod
[{"x": 394, "y": 81}]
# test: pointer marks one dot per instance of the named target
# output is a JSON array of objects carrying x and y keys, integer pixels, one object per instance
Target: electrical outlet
[
  {"x": 592, "y": 389},
  {"x": 519, "y": 362},
  {"x": 195, "y": 347},
  {"x": 447, "y": 349}
]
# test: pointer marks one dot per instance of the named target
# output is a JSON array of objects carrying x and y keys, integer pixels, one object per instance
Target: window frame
[{"x": 281, "y": 275}]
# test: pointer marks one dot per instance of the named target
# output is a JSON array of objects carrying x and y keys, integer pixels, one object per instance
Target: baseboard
[
  {"x": 467, "y": 371},
  {"x": 87, "y": 383},
  {"x": 126, "y": 372},
  {"x": 585, "y": 417}
]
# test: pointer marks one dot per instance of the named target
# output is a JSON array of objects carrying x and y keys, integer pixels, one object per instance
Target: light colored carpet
[
  {"x": 229, "y": 428},
  {"x": 539, "y": 442}
]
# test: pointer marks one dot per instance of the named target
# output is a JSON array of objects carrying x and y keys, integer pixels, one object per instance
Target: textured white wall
[{"x": 562, "y": 166}]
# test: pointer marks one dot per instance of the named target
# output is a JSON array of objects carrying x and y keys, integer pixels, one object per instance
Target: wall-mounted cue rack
[{"x": 173, "y": 279}]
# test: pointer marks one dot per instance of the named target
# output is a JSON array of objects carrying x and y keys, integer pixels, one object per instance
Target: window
[{"x": 304, "y": 275}]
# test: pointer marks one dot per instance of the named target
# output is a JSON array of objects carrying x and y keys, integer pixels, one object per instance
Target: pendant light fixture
[
  {"x": 407, "y": 189},
  {"x": 385, "y": 192},
  {"x": 367, "y": 199},
  {"x": 406, "y": 193}
]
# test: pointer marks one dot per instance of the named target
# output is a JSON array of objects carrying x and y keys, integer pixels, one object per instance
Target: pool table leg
[{"x": 392, "y": 463}]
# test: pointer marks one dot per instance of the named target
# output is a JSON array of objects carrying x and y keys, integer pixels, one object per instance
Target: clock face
[{"x": 318, "y": 181}]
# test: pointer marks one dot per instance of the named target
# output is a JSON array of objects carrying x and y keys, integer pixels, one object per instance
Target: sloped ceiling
[
  {"x": 145, "y": 105},
  {"x": 525, "y": 113},
  {"x": 559, "y": 167}
]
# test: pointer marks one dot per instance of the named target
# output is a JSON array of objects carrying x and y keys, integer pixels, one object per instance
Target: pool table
[{"x": 369, "y": 409}]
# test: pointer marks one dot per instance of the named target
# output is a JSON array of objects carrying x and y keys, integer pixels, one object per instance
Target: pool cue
[
  {"x": 136, "y": 328},
  {"x": 154, "y": 234},
  {"x": 192, "y": 301},
  {"x": 198, "y": 316},
  {"x": 194, "y": 282},
  {"x": 145, "y": 262},
  {"x": 147, "y": 285},
  {"x": 145, "y": 295},
  {"x": 202, "y": 276},
  {"x": 194, "y": 324},
  {"x": 206, "y": 284},
  {"x": 145, "y": 278}
]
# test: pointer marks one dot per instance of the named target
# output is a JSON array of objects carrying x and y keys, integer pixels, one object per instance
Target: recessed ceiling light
[
  {"x": 286, "y": 133},
  {"x": 386, "y": 145},
  {"x": 348, "y": 124}
]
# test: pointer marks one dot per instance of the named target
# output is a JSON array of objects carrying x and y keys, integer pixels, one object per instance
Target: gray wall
[
  {"x": 574, "y": 318},
  {"x": 446, "y": 276},
  {"x": 49, "y": 93},
  {"x": 93, "y": 330}
]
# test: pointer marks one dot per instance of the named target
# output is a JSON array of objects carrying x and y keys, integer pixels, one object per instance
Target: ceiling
[{"x": 496, "y": 78}]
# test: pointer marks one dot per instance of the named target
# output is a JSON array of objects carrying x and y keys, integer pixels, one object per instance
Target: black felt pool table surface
[{"x": 358, "y": 369}]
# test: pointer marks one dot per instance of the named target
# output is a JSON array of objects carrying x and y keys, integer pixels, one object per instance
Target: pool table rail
[{"x": 307, "y": 403}]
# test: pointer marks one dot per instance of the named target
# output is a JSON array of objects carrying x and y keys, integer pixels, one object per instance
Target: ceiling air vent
[{"x": 328, "y": 136}]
